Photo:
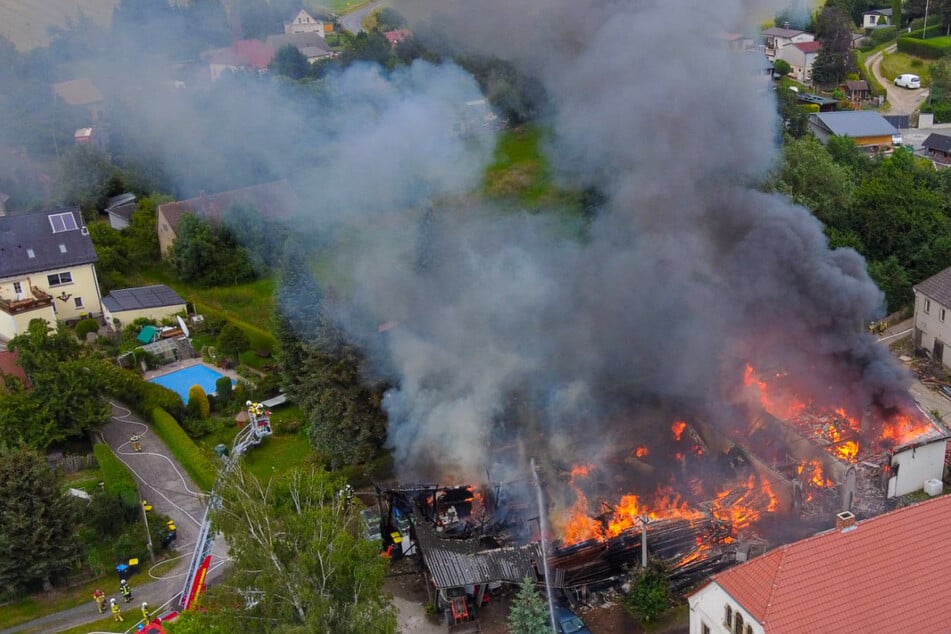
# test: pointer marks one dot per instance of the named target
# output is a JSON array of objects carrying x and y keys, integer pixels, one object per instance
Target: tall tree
[
  {"x": 290, "y": 62},
  {"x": 836, "y": 58},
  {"x": 297, "y": 542},
  {"x": 207, "y": 255},
  {"x": 529, "y": 614},
  {"x": 37, "y": 539}
]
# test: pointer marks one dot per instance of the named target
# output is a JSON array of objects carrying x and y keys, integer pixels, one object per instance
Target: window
[
  {"x": 728, "y": 617},
  {"x": 927, "y": 306},
  {"x": 60, "y": 278},
  {"x": 62, "y": 248},
  {"x": 63, "y": 222},
  {"x": 704, "y": 628},
  {"x": 749, "y": 629},
  {"x": 738, "y": 624},
  {"x": 78, "y": 301},
  {"x": 18, "y": 288}
]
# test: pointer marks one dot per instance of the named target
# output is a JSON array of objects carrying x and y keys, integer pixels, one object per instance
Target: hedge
[
  {"x": 142, "y": 396},
  {"x": 933, "y": 48},
  {"x": 117, "y": 479},
  {"x": 186, "y": 452}
]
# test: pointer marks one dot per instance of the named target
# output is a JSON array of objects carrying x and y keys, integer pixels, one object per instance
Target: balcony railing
[{"x": 40, "y": 299}]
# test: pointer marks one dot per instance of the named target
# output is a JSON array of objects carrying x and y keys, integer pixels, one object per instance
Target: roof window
[
  {"x": 63, "y": 222},
  {"x": 62, "y": 248},
  {"x": 30, "y": 254}
]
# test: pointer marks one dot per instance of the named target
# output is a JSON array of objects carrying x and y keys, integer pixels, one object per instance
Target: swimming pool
[{"x": 180, "y": 381}]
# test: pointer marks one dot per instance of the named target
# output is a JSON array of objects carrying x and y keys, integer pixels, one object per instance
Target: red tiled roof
[
  {"x": 808, "y": 47},
  {"x": 397, "y": 36},
  {"x": 8, "y": 365},
  {"x": 888, "y": 573},
  {"x": 253, "y": 53}
]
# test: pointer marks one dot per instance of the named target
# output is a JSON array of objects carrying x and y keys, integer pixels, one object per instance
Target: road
[
  {"x": 170, "y": 492},
  {"x": 353, "y": 21},
  {"x": 902, "y": 100}
]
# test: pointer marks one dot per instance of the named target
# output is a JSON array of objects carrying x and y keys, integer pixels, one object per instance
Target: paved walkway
[
  {"x": 170, "y": 492},
  {"x": 930, "y": 400}
]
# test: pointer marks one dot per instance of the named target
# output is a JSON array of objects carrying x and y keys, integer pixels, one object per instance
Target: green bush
[
  {"x": 117, "y": 479},
  {"x": 188, "y": 454},
  {"x": 933, "y": 48},
  {"x": 134, "y": 391},
  {"x": 880, "y": 36},
  {"x": 915, "y": 25},
  {"x": 86, "y": 326},
  {"x": 223, "y": 391},
  {"x": 198, "y": 405}
]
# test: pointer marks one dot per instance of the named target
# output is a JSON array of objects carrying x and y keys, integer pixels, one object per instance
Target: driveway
[
  {"x": 353, "y": 21},
  {"x": 170, "y": 492},
  {"x": 901, "y": 100}
]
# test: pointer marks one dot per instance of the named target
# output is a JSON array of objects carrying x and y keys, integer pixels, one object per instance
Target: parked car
[
  {"x": 908, "y": 80},
  {"x": 568, "y": 622}
]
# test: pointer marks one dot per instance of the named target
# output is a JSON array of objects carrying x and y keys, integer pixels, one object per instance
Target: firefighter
[
  {"x": 125, "y": 591},
  {"x": 115, "y": 611},
  {"x": 136, "y": 442},
  {"x": 146, "y": 615},
  {"x": 100, "y": 597}
]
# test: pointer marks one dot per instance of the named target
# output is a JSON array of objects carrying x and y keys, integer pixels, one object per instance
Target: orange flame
[
  {"x": 640, "y": 452},
  {"x": 902, "y": 428},
  {"x": 678, "y": 428},
  {"x": 847, "y": 450}
]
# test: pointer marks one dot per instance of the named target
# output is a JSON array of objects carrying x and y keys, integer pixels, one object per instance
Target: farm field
[{"x": 26, "y": 22}]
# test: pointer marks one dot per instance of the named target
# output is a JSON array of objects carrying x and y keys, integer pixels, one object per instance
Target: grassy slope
[
  {"x": 895, "y": 64},
  {"x": 26, "y": 22}
]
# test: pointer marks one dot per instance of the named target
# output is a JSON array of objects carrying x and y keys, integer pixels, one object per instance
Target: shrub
[
  {"x": 880, "y": 36},
  {"x": 86, "y": 326},
  {"x": 117, "y": 480},
  {"x": 932, "y": 48},
  {"x": 198, "y": 405},
  {"x": 233, "y": 341},
  {"x": 137, "y": 393},
  {"x": 223, "y": 390},
  {"x": 201, "y": 470}
]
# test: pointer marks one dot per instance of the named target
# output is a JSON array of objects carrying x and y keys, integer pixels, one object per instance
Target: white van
[{"x": 908, "y": 81}]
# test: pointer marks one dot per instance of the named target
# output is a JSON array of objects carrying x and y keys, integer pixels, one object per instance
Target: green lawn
[
  {"x": 336, "y": 6},
  {"x": 519, "y": 170},
  {"x": 895, "y": 64},
  {"x": 37, "y": 605}
]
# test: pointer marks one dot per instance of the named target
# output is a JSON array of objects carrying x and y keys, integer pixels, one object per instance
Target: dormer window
[{"x": 63, "y": 222}]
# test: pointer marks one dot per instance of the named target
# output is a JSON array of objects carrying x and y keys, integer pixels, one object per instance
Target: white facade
[
  {"x": 799, "y": 61},
  {"x": 915, "y": 465},
  {"x": 875, "y": 19},
  {"x": 74, "y": 293},
  {"x": 932, "y": 327},
  {"x": 304, "y": 22},
  {"x": 709, "y": 613}
]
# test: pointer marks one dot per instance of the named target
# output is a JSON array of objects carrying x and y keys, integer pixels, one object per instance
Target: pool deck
[{"x": 187, "y": 363}]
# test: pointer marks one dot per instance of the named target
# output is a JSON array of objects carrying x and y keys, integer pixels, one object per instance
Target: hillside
[{"x": 26, "y": 22}]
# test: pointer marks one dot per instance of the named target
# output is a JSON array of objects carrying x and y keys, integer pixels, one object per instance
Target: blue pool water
[{"x": 180, "y": 381}]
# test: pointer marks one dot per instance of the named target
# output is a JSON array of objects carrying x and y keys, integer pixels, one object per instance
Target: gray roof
[
  {"x": 937, "y": 141},
  {"x": 854, "y": 123},
  {"x": 887, "y": 12},
  {"x": 23, "y": 234},
  {"x": 937, "y": 287},
  {"x": 299, "y": 41},
  {"x": 778, "y": 31},
  {"x": 454, "y": 563},
  {"x": 141, "y": 297}
]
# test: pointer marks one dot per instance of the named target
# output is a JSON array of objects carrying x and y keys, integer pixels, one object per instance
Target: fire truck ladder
[{"x": 257, "y": 429}]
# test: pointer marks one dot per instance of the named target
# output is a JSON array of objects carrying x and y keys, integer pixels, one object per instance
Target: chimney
[{"x": 844, "y": 520}]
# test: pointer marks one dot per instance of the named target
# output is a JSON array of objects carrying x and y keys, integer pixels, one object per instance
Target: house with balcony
[
  {"x": 47, "y": 270},
  {"x": 778, "y": 37}
]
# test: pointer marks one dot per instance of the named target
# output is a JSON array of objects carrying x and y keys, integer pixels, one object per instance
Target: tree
[
  {"x": 87, "y": 178},
  {"x": 198, "y": 405},
  {"x": 223, "y": 389},
  {"x": 298, "y": 542},
  {"x": 529, "y": 614},
  {"x": 206, "y": 255},
  {"x": 836, "y": 58},
  {"x": 290, "y": 62},
  {"x": 37, "y": 539},
  {"x": 781, "y": 68},
  {"x": 896, "y": 13},
  {"x": 810, "y": 178},
  {"x": 232, "y": 342},
  {"x": 649, "y": 597}
]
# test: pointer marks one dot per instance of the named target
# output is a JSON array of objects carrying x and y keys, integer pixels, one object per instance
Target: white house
[
  {"x": 933, "y": 315},
  {"x": 800, "y": 56},
  {"x": 877, "y": 18},
  {"x": 778, "y": 37},
  {"x": 46, "y": 269},
  {"x": 304, "y": 22},
  {"x": 884, "y": 574}
]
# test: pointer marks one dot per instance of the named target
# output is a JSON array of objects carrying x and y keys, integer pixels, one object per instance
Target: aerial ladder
[{"x": 257, "y": 429}]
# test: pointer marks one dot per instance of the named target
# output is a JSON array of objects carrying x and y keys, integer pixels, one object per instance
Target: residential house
[
  {"x": 94, "y": 136},
  {"x": 243, "y": 56},
  {"x": 778, "y": 37},
  {"x": 397, "y": 36},
  {"x": 311, "y": 45},
  {"x": 800, "y": 56},
  {"x": 870, "y": 130},
  {"x": 877, "y": 18},
  {"x": 47, "y": 269},
  {"x": 857, "y": 90},
  {"x": 304, "y": 22},
  {"x": 932, "y": 328},
  {"x": 881, "y": 574},
  {"x": 272, "y": 200},
  {"x": 938, "y": 147},
  {"x": 120, "y": 209},
  {"x": 738, "y": 42},
  {"x": 81, "y": 92},
  {"x": 123, "y": 306}
]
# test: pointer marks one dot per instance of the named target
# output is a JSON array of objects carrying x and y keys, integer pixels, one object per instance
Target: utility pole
[
  {"x": 644, "y": 520},
  {"x": 924, "y": 28}
]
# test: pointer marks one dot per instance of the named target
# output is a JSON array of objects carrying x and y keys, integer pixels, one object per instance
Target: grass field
[
  {"x": 336, "y": 6},
  {"x": 895, "y": 64},
  {"x": 26, "y": 22},
  {"x": 37, "y": 605}
]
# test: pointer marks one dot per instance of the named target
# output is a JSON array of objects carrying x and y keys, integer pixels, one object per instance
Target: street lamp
[{"x": 644, "y": 520}]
